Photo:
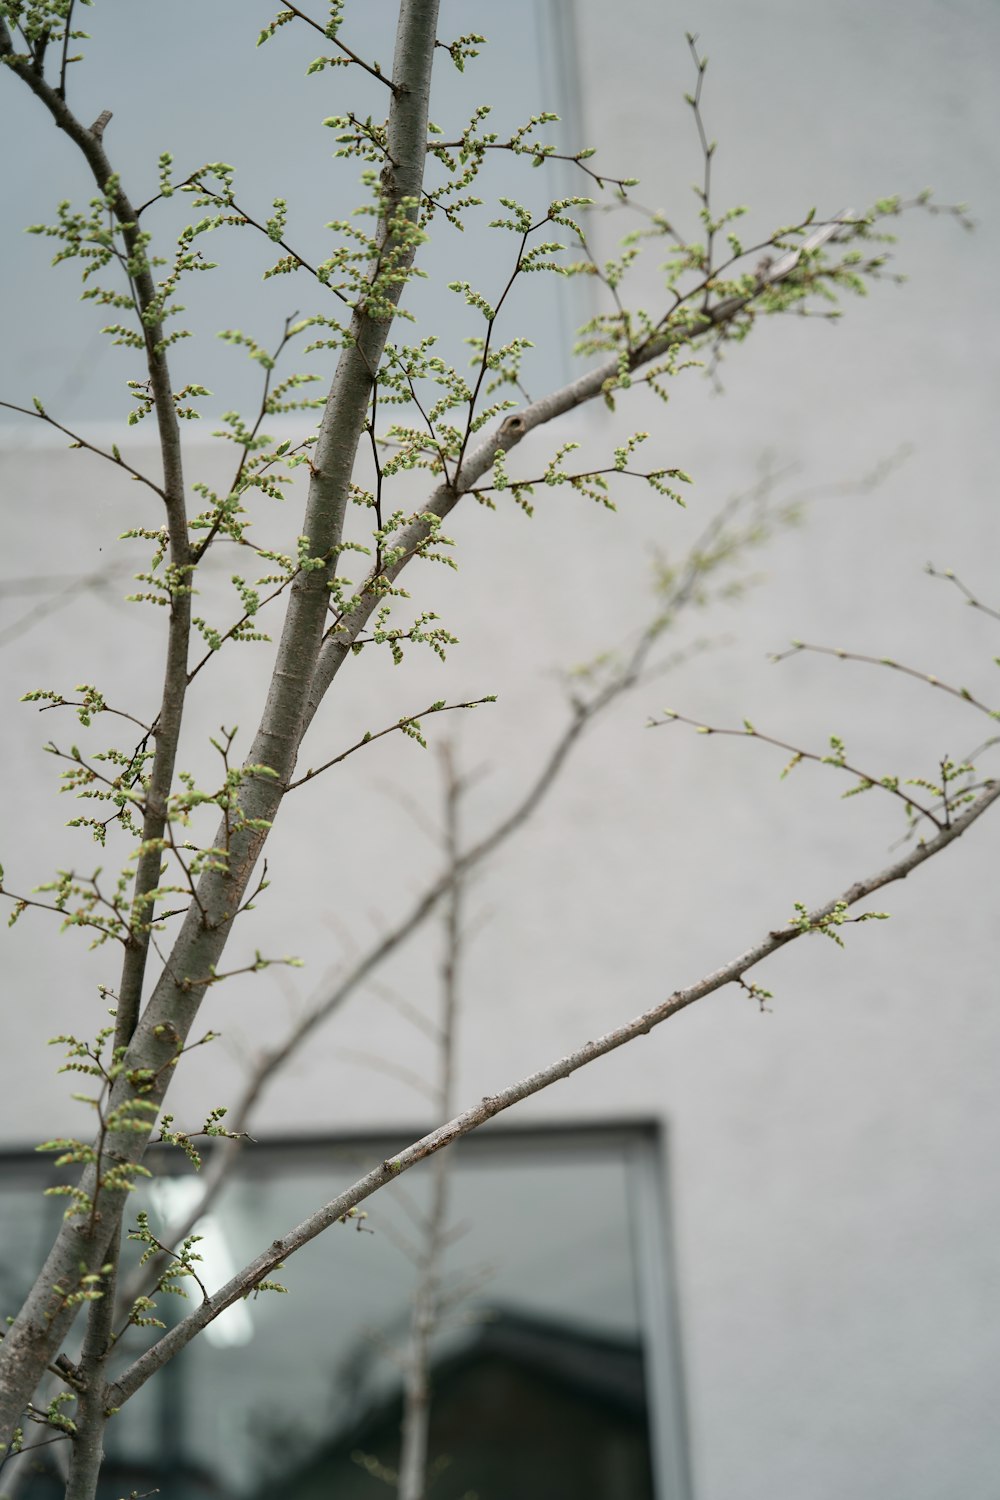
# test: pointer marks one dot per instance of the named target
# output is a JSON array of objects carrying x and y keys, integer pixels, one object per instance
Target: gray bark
[
  {"x": 79, "y": 1249},
  {"x": 88, "y": 1444}
]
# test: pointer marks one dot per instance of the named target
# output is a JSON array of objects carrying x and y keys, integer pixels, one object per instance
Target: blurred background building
[{"x": 806, "y": 1304}]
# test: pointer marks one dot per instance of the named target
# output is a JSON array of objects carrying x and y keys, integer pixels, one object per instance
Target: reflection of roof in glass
[
  {"x": 522, "y": 1405},
  {"x": 607, "y": 1370}
]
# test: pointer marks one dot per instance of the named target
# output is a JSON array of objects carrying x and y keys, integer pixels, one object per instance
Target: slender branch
[
  {"x": 441, "y": 454},
  {"x": 90, "y": 143},
  {"x": 964, "y": 590},
  {"x": 865, "y": 779},
  {"x": 453, "y": 924},
  {"x": 707, "y": 151},
  {"x": 105, "y": 708},
  {"x": 212, "y": 532},
  {"x": 227, "y": 635},
  {"x": 240, "y": 216},
  {"x": 410, "y": 1013},
  {"x": 24, "y": 902},
  {"x": 575, "y": 158},
  {"x": 408, "y": 724},
  {"x": 372, "y": 68},
  {"x": 484, "y": 354},
  {"x": 379, "y": 479},
  {"x": 64, "y": 62},
  {"x": 584, "y": 474},
  {"x": 595, "y": 383},
  {"x": 896, "y": 666},
  {"x": 45, "y": 1317},
  {"x": 81, "y": 442},
  {"x": 716, "y": 542},
  {"x": 495, "y": 1104},
  {"x": 583, "y": 712},
  {"x": 19, "y": 1477}
]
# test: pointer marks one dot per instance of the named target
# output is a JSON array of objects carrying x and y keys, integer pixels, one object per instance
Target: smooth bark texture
[
  {"x": 80, "y": 1249},
  {"x": 90, "y": 1417}
]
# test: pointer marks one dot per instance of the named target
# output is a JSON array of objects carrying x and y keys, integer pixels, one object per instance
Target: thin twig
[
  {"x": 81, "y": 442},
  {"x": 964, "y": 590},
  {"x": 750, "y": 733},
  {"x": 896, "y": 666},
  {"x": 407, "y": 723},
  {"x": 64, "y": 62},
  {"x": 372, "y": 68}
]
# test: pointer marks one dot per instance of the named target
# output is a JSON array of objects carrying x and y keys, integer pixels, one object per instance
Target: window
[{"x": 554, "y": 1370}]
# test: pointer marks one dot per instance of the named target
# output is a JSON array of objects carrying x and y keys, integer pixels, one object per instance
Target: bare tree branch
[
  {"x": 719, "y": 541},
  {"x": 90, "y": 143},
  {"x": 24, "y": 1354},
  {"x": 488, "y": 1108},
  {"x": 77, "y": 441}
]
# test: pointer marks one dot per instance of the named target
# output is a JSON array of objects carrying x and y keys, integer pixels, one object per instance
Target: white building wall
[{"x": 835, "y": 1190}]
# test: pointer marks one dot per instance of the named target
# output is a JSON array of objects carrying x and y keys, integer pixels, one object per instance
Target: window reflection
[{"x": 543, "y": 1365}]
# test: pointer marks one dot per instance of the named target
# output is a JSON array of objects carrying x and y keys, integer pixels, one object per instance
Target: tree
[{"x": 191, "y": 883}]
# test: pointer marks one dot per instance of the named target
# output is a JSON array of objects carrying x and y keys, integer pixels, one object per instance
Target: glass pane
[{"x": 537, "y": 1362}]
